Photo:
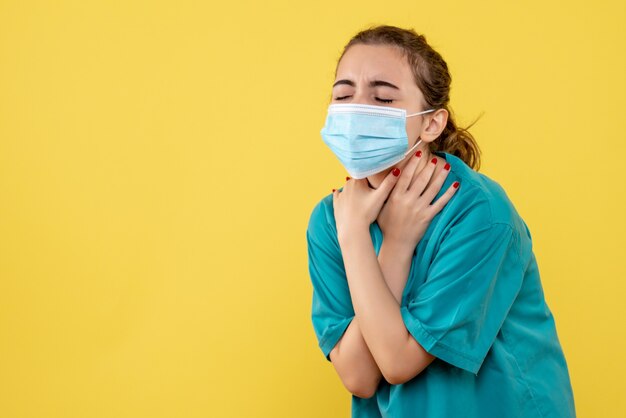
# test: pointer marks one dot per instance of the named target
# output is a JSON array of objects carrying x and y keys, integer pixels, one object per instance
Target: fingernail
[
  {"x": 456, "y": 185},
  {"x": 447, "y": 166},
  {"x": 348, "y": 178},
  {"x": 434, "y": 161},
  {"x": 334, "y": 190},
  {"x": 418, "y": 154},
  {"x": 396, "y": 172}
]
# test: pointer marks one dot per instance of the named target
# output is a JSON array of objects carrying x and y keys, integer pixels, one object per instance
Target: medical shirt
[{"x": 473, "y": 299}]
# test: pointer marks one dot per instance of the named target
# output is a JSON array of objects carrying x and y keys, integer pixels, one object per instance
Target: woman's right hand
[{"x": 406, "y": 214}]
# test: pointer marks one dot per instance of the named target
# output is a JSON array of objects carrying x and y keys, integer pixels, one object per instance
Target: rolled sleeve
[
  {"x": 470, "y": 287},
  {"x": 331, "y": 308}
]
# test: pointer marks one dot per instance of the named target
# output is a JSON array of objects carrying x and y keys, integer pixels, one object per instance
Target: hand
[
  {"x": 407, "y": 213},
  {"x": 358, "y": 205}
]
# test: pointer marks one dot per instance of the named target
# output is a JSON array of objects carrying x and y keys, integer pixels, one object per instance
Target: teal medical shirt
[{"x": 473, "y": 299}]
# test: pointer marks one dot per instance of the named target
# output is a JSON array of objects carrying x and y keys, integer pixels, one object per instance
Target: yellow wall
[{"x": 159, "y": 162}]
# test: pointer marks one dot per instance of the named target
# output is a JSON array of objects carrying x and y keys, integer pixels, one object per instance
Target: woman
[{"x": 426, "y": 294}]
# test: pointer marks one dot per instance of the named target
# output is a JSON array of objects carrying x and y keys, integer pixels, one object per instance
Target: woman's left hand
[
  {"x": 358, "y": 205},
  {"x": 406, "y": 215}
]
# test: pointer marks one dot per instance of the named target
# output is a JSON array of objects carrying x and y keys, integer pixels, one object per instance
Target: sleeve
[
  {"x": 470, "y": 287},
  {"x": 332, "y": 308}
]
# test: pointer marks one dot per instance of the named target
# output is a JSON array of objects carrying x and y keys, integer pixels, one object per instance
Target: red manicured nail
[
  {"x": 418, "y": 154},
  {"x": 447, "y": 166},
  {"x": 456, "y": 185},
  {"x": 348, "y": 178},
  {"x": 434, "y": 161},
  {"x": 334, "y": 190},
  {"x": 396, "y": 172}
]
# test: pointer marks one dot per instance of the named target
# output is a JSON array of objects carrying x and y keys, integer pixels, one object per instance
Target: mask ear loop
[
  {"x": 421, "y": 113},
  {"x": 412, "y": 148},
  {"x": 418, "y": 142}
]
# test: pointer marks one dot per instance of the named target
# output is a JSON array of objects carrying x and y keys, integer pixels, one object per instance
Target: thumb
[{"x": 387, "y": 185}]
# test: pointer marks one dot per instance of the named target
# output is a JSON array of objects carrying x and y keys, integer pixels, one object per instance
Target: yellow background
[{"x": 159, "y": 162}]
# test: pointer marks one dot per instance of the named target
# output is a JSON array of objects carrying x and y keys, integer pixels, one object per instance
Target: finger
[
  {"x": 335, "y": 197},
  {"x": 408, "y": 173},
  {"x": 436, "y": 207},
  {"x": 388, "y": 183},
  {"x": 347, "y": 181},
  {"x": 423, "y": 178},
  {"x": 435, "y": 184},
  {"x": 421, "y": 165}
]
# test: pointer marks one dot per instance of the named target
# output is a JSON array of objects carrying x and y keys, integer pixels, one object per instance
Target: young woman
[{"x": 426, "y": 293}]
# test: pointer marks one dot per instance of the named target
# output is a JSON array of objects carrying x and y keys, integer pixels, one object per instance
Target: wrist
[
  {"x": 352, "y": 231},
  {"x": 395, "y": 263},
  {"x": 399, "y": 251}
]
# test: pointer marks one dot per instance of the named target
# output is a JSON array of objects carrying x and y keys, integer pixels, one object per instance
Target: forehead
[{"x": 370, "y": 62}]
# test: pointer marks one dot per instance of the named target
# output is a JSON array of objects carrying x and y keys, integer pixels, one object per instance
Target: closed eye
[{"x": 378, "y": 99}]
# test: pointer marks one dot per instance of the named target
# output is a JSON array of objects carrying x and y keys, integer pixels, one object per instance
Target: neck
[{"x": 376, "y": 179}]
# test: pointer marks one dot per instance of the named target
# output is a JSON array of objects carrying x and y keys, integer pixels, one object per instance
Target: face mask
[{"x": 367, "y": 139}]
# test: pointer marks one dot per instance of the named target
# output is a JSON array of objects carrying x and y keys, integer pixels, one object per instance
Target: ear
[{"x": 434, "y": 125}]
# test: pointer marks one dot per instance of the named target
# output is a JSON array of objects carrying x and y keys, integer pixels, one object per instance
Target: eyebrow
[{"x": 374, "y": 83}]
